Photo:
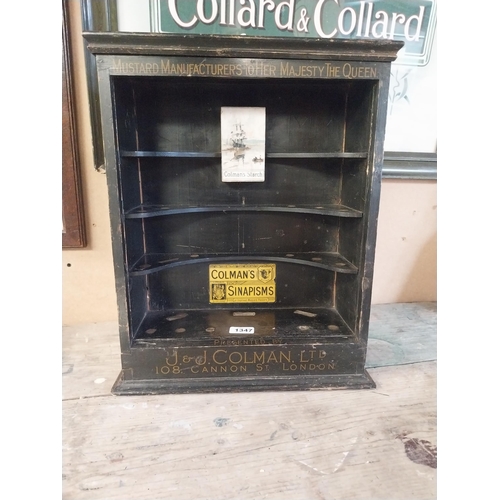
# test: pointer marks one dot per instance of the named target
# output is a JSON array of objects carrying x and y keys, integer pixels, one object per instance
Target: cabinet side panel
[
  {"x": 109, "y": 118},
  {"x": 355, "y": 191},
  {"x": 346, "y": 299},
  {"x": 130, "y": 182},
  {"x": 379, "y": 115},
  {"x": 134, "y": 238},
  {"x": 125, "y": 113},
  {"x": 359, "y": 111},
  {"x": 138, "y": 297}
]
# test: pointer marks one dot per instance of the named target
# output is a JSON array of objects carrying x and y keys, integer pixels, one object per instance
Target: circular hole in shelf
[
  {"x": 68, "y": 265},
  {"x": 303, "y": 328},
  {"x": 333, "y": 328},
  {"x": 194, "y": 255},
  {"x": 150, "y": 331},
  {"x": 180, "y": 330},
  {"x": 210, "y": 329}
]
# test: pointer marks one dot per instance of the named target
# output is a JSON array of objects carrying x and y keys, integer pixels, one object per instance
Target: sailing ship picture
[
  {"x": 243, "y": 144},
  {"x": 238, "y": 137}
]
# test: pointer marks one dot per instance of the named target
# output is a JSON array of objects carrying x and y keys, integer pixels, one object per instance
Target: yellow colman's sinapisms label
[{"x": 232, "y": 283}]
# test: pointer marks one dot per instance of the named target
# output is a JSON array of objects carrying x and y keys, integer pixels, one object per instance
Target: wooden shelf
[
  {"x": 146, "y": 211},
  {"x": 197, "y": 154},
  {"x": 317, "y": 155},
  {"x": 152, "y": 263},
  {"x": 199, "y": 326},
  {"x": 169, "y": 154}
]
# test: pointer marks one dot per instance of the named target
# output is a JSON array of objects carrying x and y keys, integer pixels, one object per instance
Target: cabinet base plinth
[{"x": 124, "y": 386}]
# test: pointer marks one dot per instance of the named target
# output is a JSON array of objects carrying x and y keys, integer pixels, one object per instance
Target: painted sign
[
  {"x": 237, "y": 283},
  {"x": 249, "y": 361},
  {"x": 242, "y": 67},
  {"x": 411, "y": 21}
]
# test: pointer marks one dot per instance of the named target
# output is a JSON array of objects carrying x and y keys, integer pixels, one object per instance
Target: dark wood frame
[
  {"x": 101, "y": 15},
  {"x": 97, "y": 15},
  {"x": 73, "y": 232}
]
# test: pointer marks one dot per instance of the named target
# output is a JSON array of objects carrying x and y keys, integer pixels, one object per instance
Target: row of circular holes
[{"x": 303, "y": 328}]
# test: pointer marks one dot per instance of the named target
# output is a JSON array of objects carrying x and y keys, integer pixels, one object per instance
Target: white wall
[{"x": 133, "y": 15}]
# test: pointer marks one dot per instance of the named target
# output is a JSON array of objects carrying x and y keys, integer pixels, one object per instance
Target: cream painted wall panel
[
  {"x": 405, "y": 256},
  {"x": 88, "y": 286}
]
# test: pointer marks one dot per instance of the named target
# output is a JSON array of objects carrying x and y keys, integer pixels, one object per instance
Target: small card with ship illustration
[{"x": 243, "y": 144}]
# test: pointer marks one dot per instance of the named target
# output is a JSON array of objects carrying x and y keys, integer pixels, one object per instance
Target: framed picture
[{"x": 73, "y": 224}]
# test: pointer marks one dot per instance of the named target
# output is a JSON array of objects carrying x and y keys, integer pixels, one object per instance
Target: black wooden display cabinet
[{"x": 309, "y": 228}]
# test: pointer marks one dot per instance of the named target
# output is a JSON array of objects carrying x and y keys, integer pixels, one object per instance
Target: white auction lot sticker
[{"x": 242, "y": 330}]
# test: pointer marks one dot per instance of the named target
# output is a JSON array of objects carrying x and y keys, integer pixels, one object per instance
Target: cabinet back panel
[
  {"x": 197, "y": 181},
  {"x": 241, "y": 233},
  {"x": 187, "y": 287},
  {"x": 183, "y": 114},
  {"x": 192, "y": 233}
]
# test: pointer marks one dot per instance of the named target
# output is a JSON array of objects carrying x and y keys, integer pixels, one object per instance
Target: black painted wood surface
[{"x": 314, "y": 216}]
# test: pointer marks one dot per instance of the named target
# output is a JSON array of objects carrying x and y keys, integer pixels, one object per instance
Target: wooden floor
[{"x": 325, "y": 445}]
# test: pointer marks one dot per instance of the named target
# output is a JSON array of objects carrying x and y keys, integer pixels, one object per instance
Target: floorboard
[{"x": 370, "y": 444}]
